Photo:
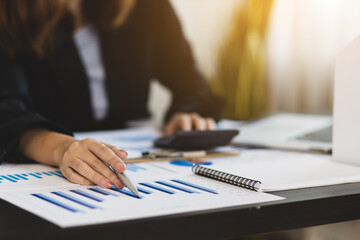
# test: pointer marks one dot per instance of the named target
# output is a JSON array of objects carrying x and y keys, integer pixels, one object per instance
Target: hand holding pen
[{"x": 83, "y": 161}]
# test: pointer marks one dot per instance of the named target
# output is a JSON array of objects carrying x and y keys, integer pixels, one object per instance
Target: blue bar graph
[
  {"x": 134, "y": 167},
  {"x": 124, "y": 191},
  {"x": 102, "y": 191},
  {"x": 141, "y": 168},
  {"x": 34, "y": 175},
  {"x": 86, "y": 198},
  {"x": 130, "y": 168},
  {"x": 176, "y": 187},
  {"x": 74, "y": 199},
  {"x": 99, "y": 191},
  {"x": 9, "y": 179},
  {"x": 143, "y": 190},
  {"x": 161, "y": 189},
  {"x": 195, "y": 186},
  {"x": 88, "y": 195},
  {"x": 57, "y": 174},
  {"x": 55, "y": 202},
  {"x": 13, "y": 177},
  {"x": 24, "y": 178}
]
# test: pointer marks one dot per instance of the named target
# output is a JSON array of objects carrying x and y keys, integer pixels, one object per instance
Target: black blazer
[{"x": 52, "y": 92}]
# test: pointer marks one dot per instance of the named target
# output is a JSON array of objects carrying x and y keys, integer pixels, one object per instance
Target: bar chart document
[{"x": 45, "y": 192}]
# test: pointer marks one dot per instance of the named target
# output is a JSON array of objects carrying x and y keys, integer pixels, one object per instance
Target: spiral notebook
[
  {"x": 268, "y": 170},
  {"x": 227, "y": 178}
]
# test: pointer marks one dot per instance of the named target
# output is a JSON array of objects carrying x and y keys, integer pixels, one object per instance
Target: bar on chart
[
  {"x": 161, "y": 189},
  {"x": 13, "y": 177},
  {"x": 74, "y": 199},
  {"x": 134, "y": 167},
  {"x": 55, "y": 202},
  {"x": 9, "y": 179},
  {"x": 102, "y": 191},
  {"x": 125, "y": 191},
  {"x": 22, "y": 177},
  {"x": 195, "y": 186},
  {"x": 87, "y": 195},
  {"x": 34, "y": 175},
  {"x": 57, "y": 174},
  {"x": 180, "y": 188},
  {"x": 143, "y": 190}
]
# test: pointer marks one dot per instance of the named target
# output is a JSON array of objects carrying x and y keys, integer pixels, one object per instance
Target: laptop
[
  {"x": 339, "y": 134},
  {"x": 288, "y": 131}
]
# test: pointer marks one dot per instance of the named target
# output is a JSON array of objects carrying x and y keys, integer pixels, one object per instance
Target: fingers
[
  {"x": 210, "y": 124},
  {"x": 107, "y": 155},
  {"x": 187, "y": 122},
  {"x": 198, "y": 122},
  {"x": 84, "y": 163},
  {"x": 99, "y": 167},
  {"x": 179, "y": 122},
  {"x": 120, "y": 153},
  {"x": 170, "y": 129},
  {"x": 86, "y": 171},
  {"x": 74, "y": 177}
]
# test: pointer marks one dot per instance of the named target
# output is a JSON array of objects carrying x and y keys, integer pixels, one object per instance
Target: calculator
[{"x": 196, "y": 140}]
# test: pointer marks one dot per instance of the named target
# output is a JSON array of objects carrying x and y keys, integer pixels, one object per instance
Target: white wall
[{"x": 304, "y": 38}]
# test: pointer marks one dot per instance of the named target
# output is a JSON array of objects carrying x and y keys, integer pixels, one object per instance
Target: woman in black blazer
[{"x": 44, "y": 87}]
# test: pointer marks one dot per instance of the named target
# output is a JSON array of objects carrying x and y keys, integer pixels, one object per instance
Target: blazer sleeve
[
  {"x": 175, "y": 67},
  {"x": 16, "y": 114}
]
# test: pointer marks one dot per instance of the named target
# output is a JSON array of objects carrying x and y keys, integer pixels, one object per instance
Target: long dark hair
[{"x": 27, "y": 26}]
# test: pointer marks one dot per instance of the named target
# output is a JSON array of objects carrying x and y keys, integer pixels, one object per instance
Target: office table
[{"x": 301, "y": 208}]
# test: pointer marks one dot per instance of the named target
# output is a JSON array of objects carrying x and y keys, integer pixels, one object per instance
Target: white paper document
[
  {"x": 43, "y": 191},
  {"x": 279, "y": 170}
]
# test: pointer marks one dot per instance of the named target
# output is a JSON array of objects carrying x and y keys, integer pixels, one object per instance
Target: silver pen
[{"x": 125, "y": 179}]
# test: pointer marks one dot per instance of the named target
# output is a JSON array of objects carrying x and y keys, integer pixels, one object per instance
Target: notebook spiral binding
[{"x": 227, "y": 177}]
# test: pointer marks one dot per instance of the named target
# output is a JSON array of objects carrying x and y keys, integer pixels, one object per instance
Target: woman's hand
[
  {"x": 187, "y": 122},
  {"x": 81, "y": 162}
]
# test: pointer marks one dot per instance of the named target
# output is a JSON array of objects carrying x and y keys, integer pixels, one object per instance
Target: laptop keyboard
[{"x": 321, "y": 135}]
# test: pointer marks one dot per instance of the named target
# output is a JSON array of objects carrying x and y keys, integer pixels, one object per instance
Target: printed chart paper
[{"x": 45, "y": 192}]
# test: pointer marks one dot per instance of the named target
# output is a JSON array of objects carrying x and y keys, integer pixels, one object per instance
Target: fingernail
[
  {"x": 123, "y": 154},
  {"x": 105, "y": 183},
  {"x": 119, "y": 183},
  {"x": 119, "y": 167}
]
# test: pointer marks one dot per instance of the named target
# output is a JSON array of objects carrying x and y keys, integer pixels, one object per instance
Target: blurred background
[{"x": 266, "y": 56}]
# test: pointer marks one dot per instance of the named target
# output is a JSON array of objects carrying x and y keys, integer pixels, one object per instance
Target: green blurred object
[{"x": 241, "y": 77}]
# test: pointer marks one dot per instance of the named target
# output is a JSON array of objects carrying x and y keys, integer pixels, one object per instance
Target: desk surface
[{"x": 301, "y": 208}]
